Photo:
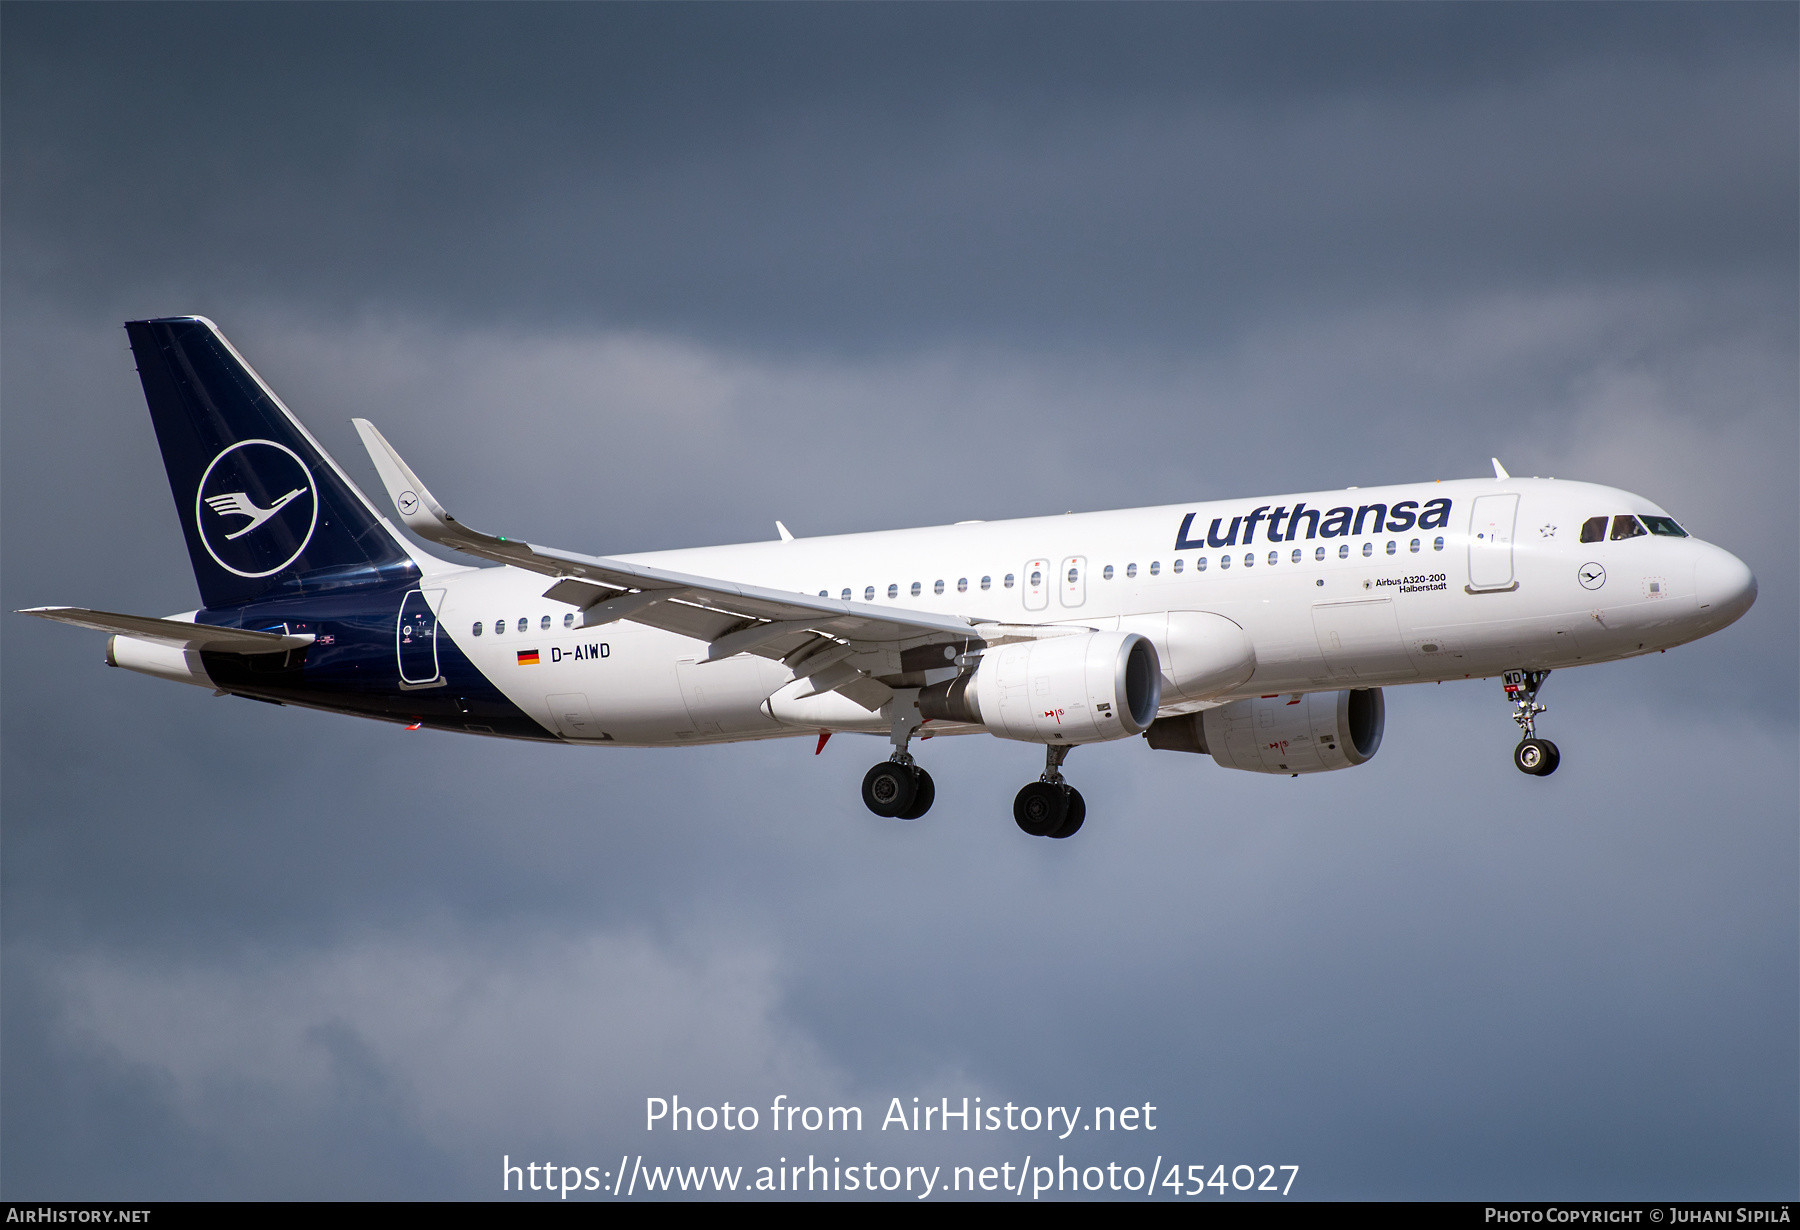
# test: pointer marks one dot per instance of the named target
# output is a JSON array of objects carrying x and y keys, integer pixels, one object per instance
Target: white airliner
[{"x": 1258, "y": 631}]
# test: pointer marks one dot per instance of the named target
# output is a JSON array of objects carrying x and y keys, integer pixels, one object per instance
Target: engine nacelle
[
  {"x": 1203, "y": 655},
  {"x": 1316, "y": 733},
  {"x": 1082, "y": 688}
]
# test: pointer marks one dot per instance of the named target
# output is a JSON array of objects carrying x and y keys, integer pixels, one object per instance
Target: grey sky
[{"x": 858, "y": 267}]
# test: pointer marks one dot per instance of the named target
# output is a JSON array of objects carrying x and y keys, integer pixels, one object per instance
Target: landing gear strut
[
  {"x": 897, "y": 787},
  {"x": 1050, "y": 807},
  {"x": 1535, "y": 756}
]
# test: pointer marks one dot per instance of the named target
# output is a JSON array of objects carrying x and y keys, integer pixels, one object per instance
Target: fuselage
[{"x": 1356, "y": 588}]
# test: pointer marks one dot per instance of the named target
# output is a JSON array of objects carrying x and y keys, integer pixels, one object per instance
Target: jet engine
[
  {"x": 1312, "y": 733},
  {"x": 1081, "y": 688}
]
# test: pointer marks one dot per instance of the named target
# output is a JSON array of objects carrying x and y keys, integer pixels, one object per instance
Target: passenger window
[
  {"x": 1106, "y": 572},
  {"x": 478, "y": 629},
  {"x": 962, "y": 585},
  {"x": 1074, "y": 575},
  {"x": 1249, "y": 559},
  {"x": 1391, "y": 546},
  {"x": 1437, "y": 544},
  {"x": 824, "y": 593},
  {"x": 1008, "y": 582},
  {"x": 569, "y": 620},
  {"x": 1626, "y": 526},
  {"x": 915, "y": 589},
  {"x": 937, "y": 587},
  {"x": 1343, "y": 550},
  {"x": 1665, "y": 526},
  {"x": 1131, "y": 570},
  {"x": 844, "y": 597},
  {"x": 1037, "y": 578},
  {"x": 1200, "y": 564},
  {"x": 868, "y": 593},
  {"x": 1155, "y": 567},
  {"x": 1415, "y": 546},
  {"x": 987, "y": 583},
  {"x": 499, "y": 627},
  {"x": 1319, "y": 553},
  {"x": 524, "y": 624},
  {"x": 1593, "y": 529},
  {"x": 1224, "y": 561},
  {"x": 1274, "y": 558},
  {"x": 1368, "y": 548},
  {"x": 544, "y": 623},
  {"x": 1297, "y": 554},
  {"x": 893, "y": 591}
]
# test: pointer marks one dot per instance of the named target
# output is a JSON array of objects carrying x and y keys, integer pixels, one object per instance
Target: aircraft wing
[
  {"x": 802, "y": 631},
  {"x": 175, "y": 631}
]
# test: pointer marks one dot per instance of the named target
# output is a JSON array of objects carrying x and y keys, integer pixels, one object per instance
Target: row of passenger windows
[
  {"x": 525, "y": 624},
  {"x": 1627, "y": 526},
  {"x": 1131, "y": 570}
]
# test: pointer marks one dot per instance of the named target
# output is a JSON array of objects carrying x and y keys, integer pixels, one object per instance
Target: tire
[
  {"x": 889, "y": 789},
  {"x": 1040, "y": 808},
  {"x": 1071, "y": 824},
  {"x": 1537, "y": 757},
  {"x": 925, "y": 793}
]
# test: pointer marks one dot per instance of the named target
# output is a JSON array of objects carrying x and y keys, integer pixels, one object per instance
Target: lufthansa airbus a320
[{"x": 1258, "y": 631}]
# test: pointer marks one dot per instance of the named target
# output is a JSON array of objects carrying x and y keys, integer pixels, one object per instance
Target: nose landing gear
[
  {"x": 897, "y": 787},
  {"x": 1533, "y": 755},
  {"x": 1050, "y": 807}
]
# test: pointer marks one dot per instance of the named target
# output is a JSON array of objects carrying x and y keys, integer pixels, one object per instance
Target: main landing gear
[
  {"x": 1050, "y": 807},
  {"x": 897, "y": 787},
  {"x": 1535, "y": 756}
]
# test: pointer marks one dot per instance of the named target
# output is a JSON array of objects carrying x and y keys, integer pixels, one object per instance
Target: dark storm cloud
[
  {"x": 873, "y": 176},
  {"x": 869, "y": 266}
]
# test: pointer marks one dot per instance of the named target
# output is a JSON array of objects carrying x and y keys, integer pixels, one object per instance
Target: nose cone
[{"x": 1724, "y": 586}]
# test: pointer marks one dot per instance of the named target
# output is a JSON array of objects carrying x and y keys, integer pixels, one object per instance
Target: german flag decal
[{"x": 528, "y": 657}]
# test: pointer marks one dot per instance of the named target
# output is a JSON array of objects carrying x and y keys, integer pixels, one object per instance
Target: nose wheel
[
  {"x": 1533, "y": 755},
  {"x": 1537, "y": 757},
  {"x": 1050, "y": 807}
]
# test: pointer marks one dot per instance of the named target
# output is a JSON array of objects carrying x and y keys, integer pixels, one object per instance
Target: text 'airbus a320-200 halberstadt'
[{"x": 1259, "y": 632}]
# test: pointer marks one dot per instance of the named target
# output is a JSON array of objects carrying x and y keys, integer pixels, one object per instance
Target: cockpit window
[
  {"x": 1665, "y": 526},
  {"x": 1626, "y": 526},
  {"x": 1593, "y": 529}
]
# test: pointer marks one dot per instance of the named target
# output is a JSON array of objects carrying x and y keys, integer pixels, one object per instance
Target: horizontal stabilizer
[{"x": 175, "y": 631}]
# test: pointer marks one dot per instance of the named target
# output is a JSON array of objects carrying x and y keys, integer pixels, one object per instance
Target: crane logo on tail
[
  {"x": 256, "y": 508},
  {"x": 239, "y": 504}
]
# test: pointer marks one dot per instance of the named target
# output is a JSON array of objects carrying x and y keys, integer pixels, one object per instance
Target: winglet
[
  {"x": 1499, "y": 470},
  {"x": 417, "y": 507}
]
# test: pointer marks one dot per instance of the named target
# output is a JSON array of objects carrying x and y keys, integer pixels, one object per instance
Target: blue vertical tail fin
[{"x": 267, "y": 513}]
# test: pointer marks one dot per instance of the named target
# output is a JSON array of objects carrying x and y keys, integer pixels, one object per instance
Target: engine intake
[
  {"x": 1082, "y": 688},
  {"x": 1316, "y": 733}
]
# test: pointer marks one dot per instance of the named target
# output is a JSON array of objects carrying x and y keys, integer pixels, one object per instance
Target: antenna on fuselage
[{"x": 1499, "y": 470}]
